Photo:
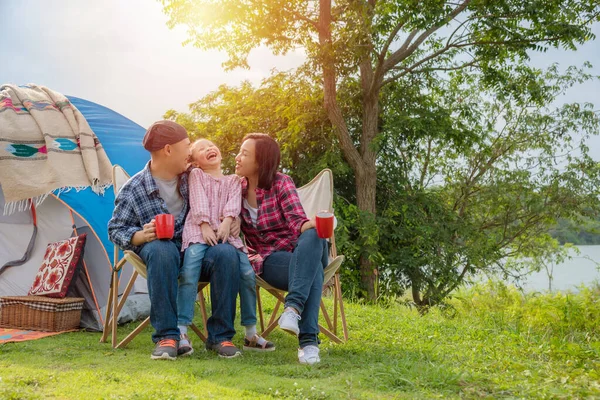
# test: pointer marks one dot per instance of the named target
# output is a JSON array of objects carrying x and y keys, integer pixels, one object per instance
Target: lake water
[{"x": 581, "y": 269}]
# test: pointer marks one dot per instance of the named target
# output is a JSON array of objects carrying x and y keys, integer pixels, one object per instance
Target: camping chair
[
  {"x": 114, "y": 306},
  {"x": 315, "y": 196}
]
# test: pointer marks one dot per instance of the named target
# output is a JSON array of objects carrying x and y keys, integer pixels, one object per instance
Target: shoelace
[
  {"x": 167, "y": 343},
  {"x": 297, "y": 316},
  {"x": 227, "y": 344}
]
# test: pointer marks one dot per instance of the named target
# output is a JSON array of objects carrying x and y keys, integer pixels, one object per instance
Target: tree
[
  {"x": 473, "y": 180},
  {"x": 377, "y": 43}
]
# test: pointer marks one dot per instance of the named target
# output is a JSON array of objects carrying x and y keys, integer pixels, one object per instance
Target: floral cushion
[{"x": 58, "y": 267}]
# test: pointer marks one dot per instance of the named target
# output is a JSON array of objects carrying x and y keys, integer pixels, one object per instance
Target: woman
[{"x": 283, "y": 245}]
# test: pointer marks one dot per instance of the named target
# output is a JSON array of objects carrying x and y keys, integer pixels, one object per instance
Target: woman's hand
[
  {"x": 311, "y": 223},
  {"x": 236, "y": 227},
  {"x": 224, "y": 229},
  {"x": 208, "y": 234}
]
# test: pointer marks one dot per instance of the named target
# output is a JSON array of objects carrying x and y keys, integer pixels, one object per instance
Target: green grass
[{"x": 491, "y": 342}]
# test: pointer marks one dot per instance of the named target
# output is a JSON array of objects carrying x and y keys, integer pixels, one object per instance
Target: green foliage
[
  {"x": 519, "y": 346},
  {"x": 585, "y": 232},
  {"x": 284, "y": 106},
  {"x": 469, "y": 180},
  {"x": 564, "y": 317}
]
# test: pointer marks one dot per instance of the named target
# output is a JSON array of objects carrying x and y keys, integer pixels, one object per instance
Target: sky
[
  {"x": 118, "y": 53},
  {"x": 121, "y": 54}
]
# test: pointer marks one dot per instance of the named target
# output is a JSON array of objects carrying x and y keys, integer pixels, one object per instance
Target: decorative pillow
[{"x": 58, "y": 267}]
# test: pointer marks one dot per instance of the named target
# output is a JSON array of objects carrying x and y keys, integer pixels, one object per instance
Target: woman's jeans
[
  {"x": 190, "y": 276},
  {"x": 301, "y": 274}
]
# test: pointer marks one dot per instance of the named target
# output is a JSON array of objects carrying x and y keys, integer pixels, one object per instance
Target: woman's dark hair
[{"x": 268, "y": 156}]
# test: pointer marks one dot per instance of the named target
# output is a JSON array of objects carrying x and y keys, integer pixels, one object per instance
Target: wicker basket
[{"x": 38, "y": 313}]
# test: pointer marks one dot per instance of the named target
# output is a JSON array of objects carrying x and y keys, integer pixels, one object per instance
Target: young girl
[{"x": 215, "y": 200}]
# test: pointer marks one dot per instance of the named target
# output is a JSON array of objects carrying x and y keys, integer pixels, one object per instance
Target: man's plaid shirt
[
  {"x": 137, "y": 203},
  {"x": 280, "y": 217}
]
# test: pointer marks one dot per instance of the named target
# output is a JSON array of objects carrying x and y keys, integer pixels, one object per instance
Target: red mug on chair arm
[
  {"x": 324, "y": 222},
  {"x": 165, "y": 226}
]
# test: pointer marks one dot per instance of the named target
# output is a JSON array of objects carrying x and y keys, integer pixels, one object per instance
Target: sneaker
[
  {"x": 165, "y": 349},
  {"x": 224, "y": 349},
  {"x": 185, "y": 346},
  {"x": 309, "y": 355},
  {"x": 289, "y": 322},
  {"x": 252, "y": 344}
]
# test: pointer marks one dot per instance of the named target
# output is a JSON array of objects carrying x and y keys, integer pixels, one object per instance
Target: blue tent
[{"x": 122, "y": 141}]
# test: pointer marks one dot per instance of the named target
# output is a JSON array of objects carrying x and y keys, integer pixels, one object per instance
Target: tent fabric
[
  {"x": 88, "y": 213},
  {"x": 122, "y": 141}
]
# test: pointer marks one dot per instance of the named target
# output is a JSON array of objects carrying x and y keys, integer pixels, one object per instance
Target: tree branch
[
  {"x": 403, "y": 52},
  {"x": 454, "y": 68},
  {"x": 425, "y": 164},
  {"x": 411, "y": 69},
  {"x": 304, "y": 18},
  {"x": 390, "y": 39}
]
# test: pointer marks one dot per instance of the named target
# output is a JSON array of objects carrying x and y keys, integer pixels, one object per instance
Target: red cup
[
  {"x": 324, "y": 222},
  {"x": 165, "y": 226}
]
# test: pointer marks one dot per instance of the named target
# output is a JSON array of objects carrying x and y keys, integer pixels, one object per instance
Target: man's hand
[
  {"x": 146, "y": 235},
  {"x": 235, "y": 227},
  {"x": 224, "y": 229},
  {"x": 208, "y": 234}
]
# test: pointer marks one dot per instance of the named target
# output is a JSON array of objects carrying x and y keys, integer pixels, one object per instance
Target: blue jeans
[
  {"x": 301, "y": 274},
  {"x": 189, "y": 277},
  {"x": 220, "y": 267},
  {"x": 247, "y": 291}
]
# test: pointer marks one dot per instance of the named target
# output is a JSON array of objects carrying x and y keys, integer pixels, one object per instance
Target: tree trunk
[
  {"x": 366, "y": 181},
  {"x": 363, "y": 160}
]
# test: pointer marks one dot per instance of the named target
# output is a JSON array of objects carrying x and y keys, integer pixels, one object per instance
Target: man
[{"x": 162, "y": 188}]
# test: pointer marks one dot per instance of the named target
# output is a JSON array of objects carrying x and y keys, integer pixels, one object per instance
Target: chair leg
[
  {"x": 330, "y": 334},
  {"x": 204, "y": 314},
  {"x": 326, "y": 315},
  {"x": 107, "y": 321},
  {"x": 115, "y": 315},
  {"x": 126, "y": 292},
  {"x": 335, "y": 308},
  {"x": 342, "y": 312},
  {"x": 272, "y": 321},
  {"x": 133, "y": 334},
  {"x": 260, "y": 309},
  {"x": 118, "y": 305},
  {"x": 269, "y": 329},
  {"x": 274, "y": 314},
  {"x": 198, "y": 332}
]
